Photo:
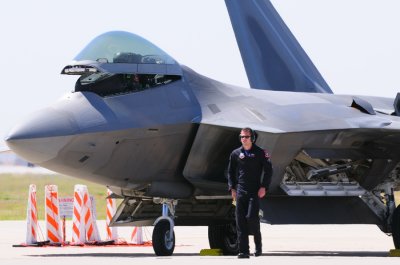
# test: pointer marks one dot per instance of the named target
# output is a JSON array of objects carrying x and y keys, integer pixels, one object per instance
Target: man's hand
[
  {"x": 261, "y": 192},
  {"x": 233, "y": 192}
]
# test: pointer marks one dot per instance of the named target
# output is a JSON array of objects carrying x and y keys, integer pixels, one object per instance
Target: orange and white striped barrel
[
  {"x": 84, "y": 227},
  {"x": 137, "y": 235},
  {"x": 31, "y": 216},
  {"x": 92, "y": 232},
  {"x": 112, "y": 232},
  {"x": 53, "y": 221},
  {"x": 78, "y": 225}
]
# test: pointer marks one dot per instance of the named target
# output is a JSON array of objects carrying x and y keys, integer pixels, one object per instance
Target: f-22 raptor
[{"x": 159, "y": 135}]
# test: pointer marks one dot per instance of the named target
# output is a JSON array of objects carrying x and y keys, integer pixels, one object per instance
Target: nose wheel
[
  {"x": 163, "y": 234},
  {"x": 163, "y": 240}
]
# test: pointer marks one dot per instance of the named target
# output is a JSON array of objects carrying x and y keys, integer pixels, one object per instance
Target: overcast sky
[{"x": 355, "y": 44}]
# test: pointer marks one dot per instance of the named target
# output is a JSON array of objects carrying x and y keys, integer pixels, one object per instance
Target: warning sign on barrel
[{"x": 67, "y": 206}]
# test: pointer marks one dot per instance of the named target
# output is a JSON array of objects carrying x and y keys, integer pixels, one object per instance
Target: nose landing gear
[{"x": 163, "y": 233}]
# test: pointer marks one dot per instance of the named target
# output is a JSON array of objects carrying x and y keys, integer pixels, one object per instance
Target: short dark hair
[{"x": 247, "y": 129}]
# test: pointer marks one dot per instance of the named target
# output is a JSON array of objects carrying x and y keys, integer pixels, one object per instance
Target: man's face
[{"x": 245, "y": 137}]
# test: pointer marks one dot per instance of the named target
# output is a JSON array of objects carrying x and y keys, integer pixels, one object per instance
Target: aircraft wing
[{"x": 324, "y": 126}]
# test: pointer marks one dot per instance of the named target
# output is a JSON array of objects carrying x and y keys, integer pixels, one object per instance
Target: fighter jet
[{"x": 159, "y": 135}]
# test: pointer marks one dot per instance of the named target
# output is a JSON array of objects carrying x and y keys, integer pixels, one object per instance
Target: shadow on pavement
[
  {"x": 300, "y": 253},
  {"x": 114, "y": 255}
]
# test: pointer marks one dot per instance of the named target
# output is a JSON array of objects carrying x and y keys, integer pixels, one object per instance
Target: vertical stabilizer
[{"x": 272, "y": 57}]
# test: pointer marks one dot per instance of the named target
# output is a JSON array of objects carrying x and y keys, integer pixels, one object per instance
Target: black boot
[
  {"x": 243, "y": 256},
  {"x": 258, "y": 251}
]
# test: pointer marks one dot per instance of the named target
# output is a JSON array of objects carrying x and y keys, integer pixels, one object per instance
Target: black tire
[
  {"x": 162, "y": 245},
  {"x": 396, "y": 227},
  {"x": 224, "y": 237}
]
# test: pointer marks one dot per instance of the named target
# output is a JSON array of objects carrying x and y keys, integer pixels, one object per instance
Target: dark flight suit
[{"x": 244, "y": 175}]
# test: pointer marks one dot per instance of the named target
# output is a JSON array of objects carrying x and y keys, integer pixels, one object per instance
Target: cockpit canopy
[
  {"x": 120, "y": 62},
  {"x": 121, "y": 52}
]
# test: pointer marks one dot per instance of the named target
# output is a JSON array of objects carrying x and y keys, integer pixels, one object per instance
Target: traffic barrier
[
  {"x": 92, "y": 232},
  {"x": 53, "y": 221},
  {"x": 78, "y": 226},
  {"x": 112, "y": 232},
  {"x": 84, "y": 227},
  {"x": 137, "y": 235},
  {"x": 31, "y": 217}
]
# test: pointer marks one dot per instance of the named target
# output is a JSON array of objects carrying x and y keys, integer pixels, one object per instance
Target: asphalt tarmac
[{"x": 316, "y": 244}]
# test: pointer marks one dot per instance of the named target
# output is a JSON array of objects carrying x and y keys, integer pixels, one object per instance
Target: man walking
[{"x": 246, "y": 165}]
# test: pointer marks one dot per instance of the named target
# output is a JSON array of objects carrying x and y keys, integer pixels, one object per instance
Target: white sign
[{"x": 67, "y": 207}]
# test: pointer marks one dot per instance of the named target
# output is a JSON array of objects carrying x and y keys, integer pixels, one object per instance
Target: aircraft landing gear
[
  {"x": 393, "y": 216},
  {"x": 163, "y": 233},
  {"x": 396, "y": 227},
  {"x": 224, "y": 237}
]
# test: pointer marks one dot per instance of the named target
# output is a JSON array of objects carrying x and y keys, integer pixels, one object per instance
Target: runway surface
[{"x": 316, "y": 244}]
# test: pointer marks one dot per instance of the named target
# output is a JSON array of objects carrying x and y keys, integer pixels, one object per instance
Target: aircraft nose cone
[
  {"x": 40, "y": 136},
  {"x": 42, "y": 124}
]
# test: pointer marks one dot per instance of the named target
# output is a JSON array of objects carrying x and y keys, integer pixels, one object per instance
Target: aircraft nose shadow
[{"x": 112, "y": 255}]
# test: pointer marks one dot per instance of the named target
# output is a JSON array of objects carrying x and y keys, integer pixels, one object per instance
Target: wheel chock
[
  {"x": 394, "y": 253},
  {"x": 211, "y": 252}
]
